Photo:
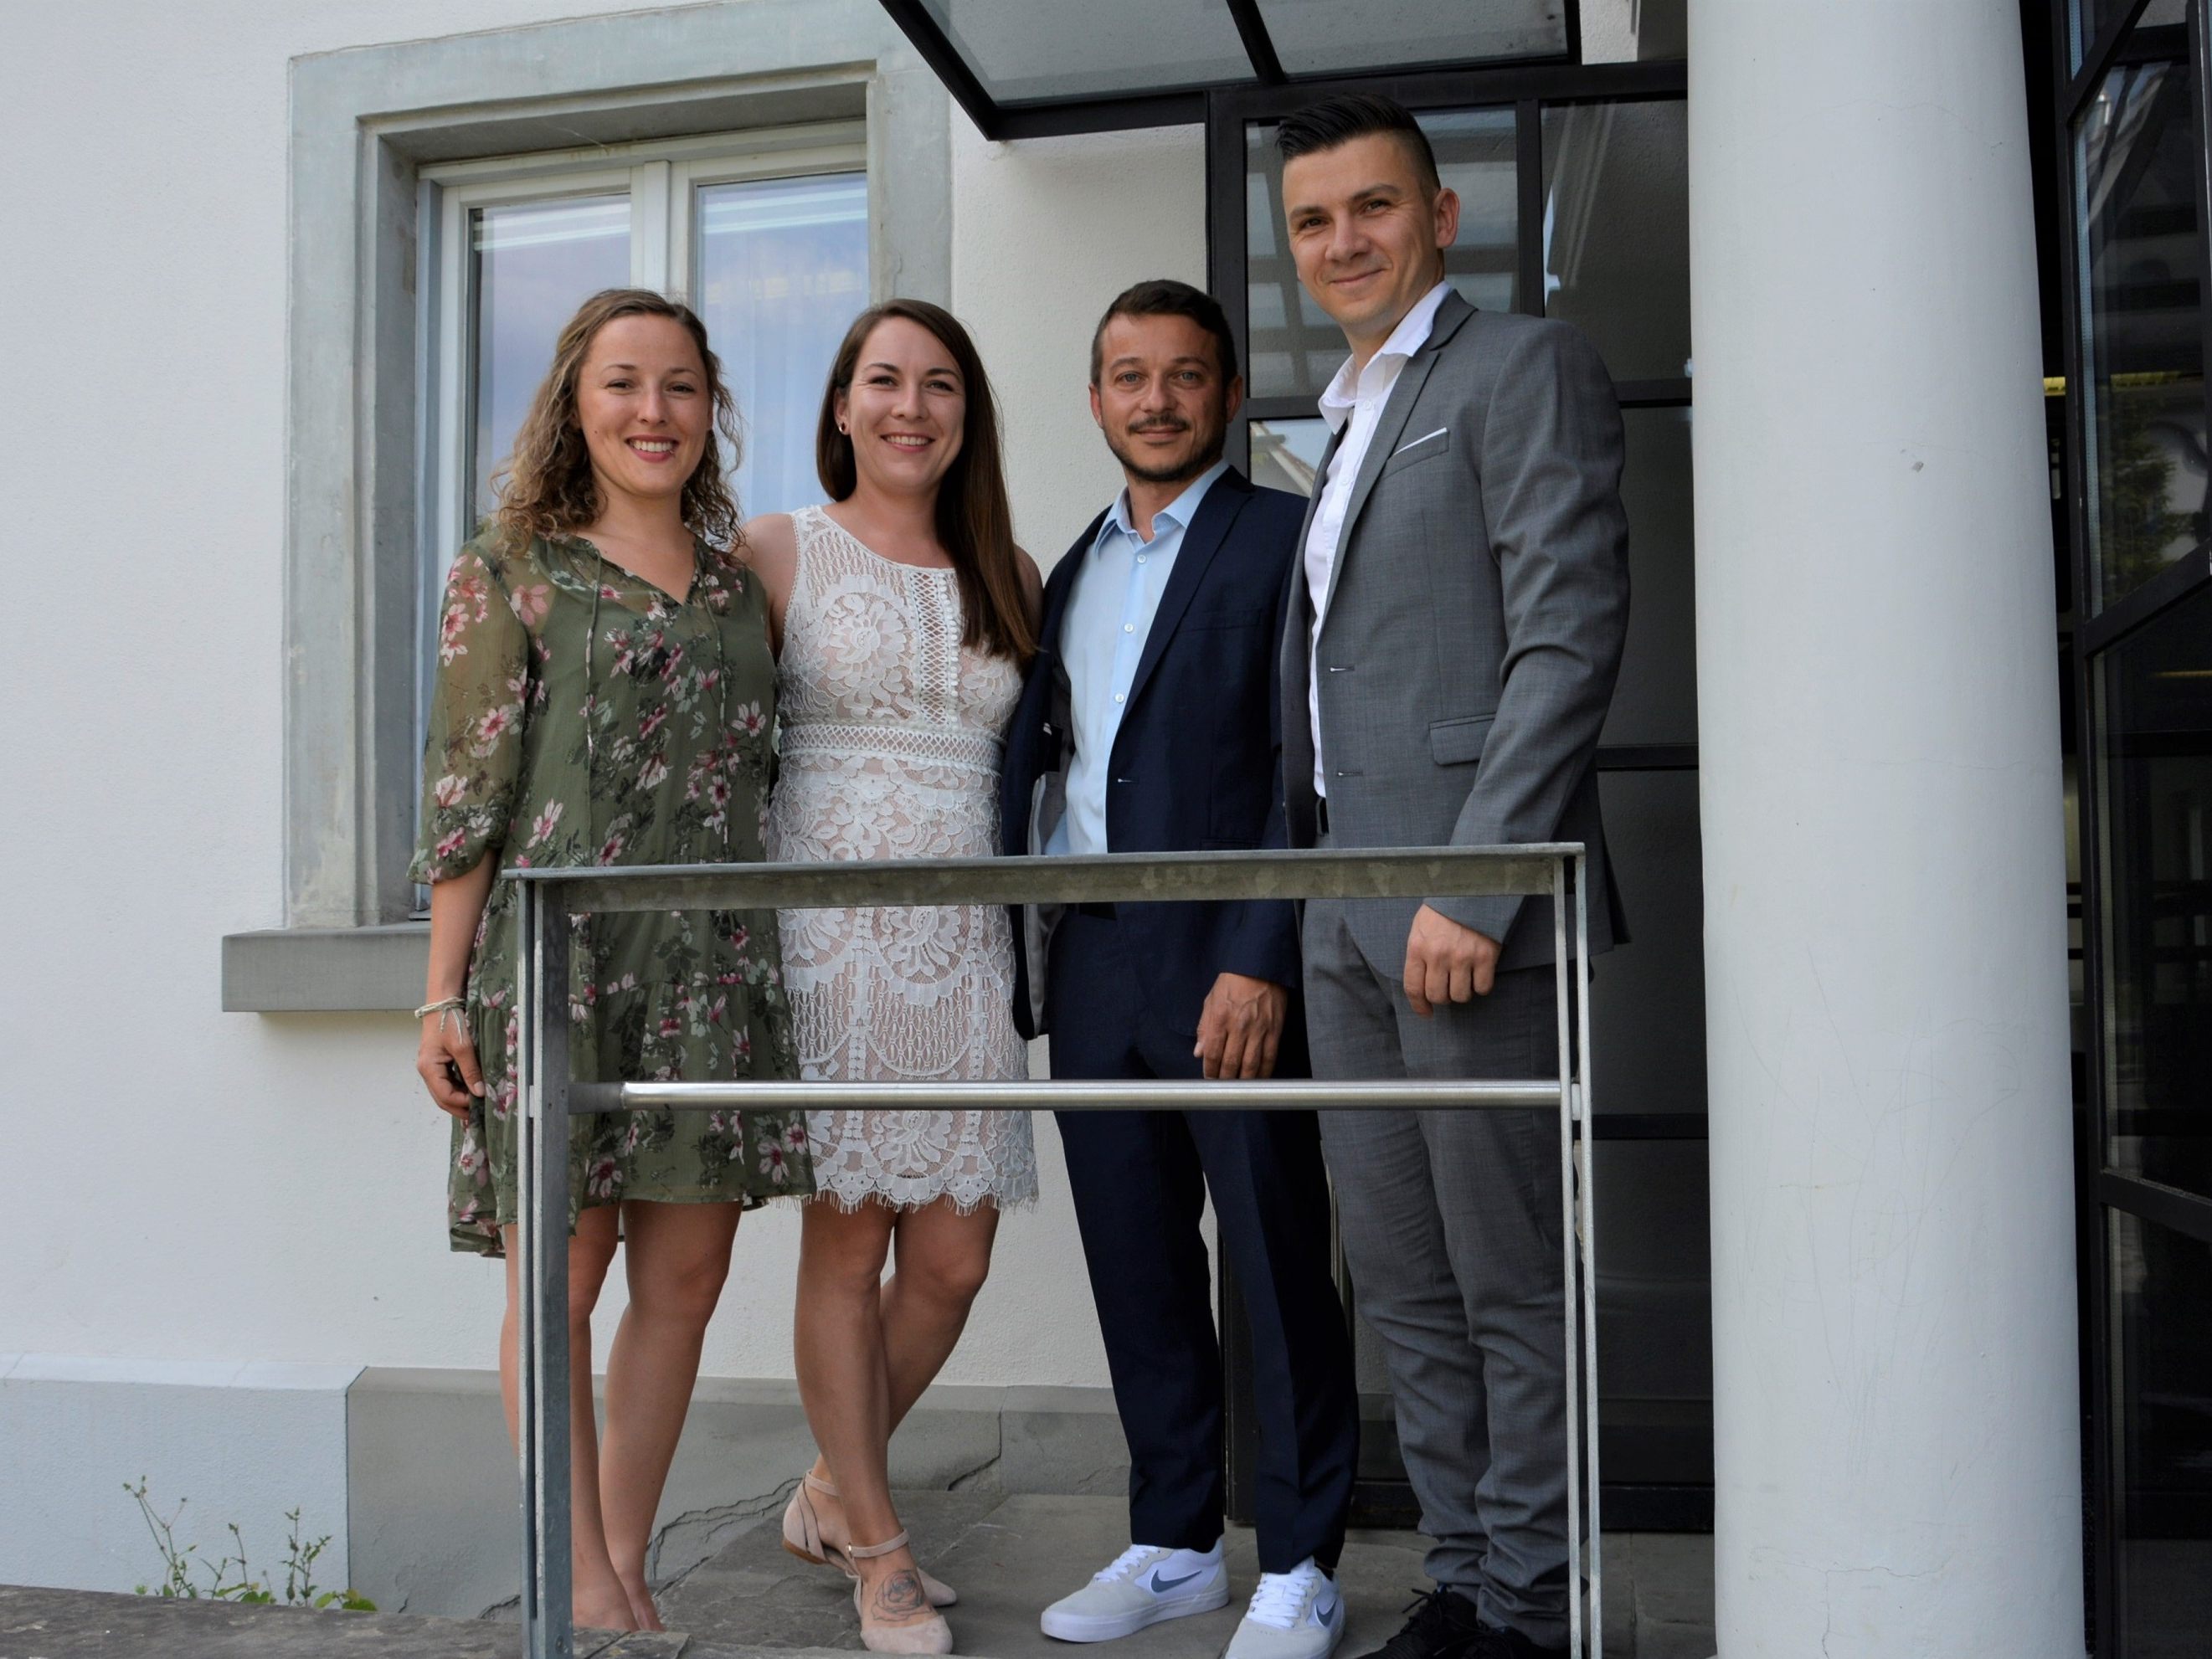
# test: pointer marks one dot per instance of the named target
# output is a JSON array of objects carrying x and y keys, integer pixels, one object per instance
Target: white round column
[{"x": 1893, "y": 1230}]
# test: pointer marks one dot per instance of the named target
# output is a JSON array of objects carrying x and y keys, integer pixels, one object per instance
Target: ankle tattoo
[{"x": 901, "y": 1594}]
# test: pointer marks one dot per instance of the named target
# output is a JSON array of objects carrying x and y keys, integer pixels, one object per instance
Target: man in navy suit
[{"x": 1151, "y": 722}]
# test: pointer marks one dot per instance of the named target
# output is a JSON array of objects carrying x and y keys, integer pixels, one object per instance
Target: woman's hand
[{"x": 448, "y": 1061}]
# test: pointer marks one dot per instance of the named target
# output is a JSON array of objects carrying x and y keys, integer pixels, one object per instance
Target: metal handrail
[{"x": 553, "y": 898}]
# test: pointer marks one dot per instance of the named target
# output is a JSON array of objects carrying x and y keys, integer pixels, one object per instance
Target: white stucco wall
[{"x": 192, "y": 1186}]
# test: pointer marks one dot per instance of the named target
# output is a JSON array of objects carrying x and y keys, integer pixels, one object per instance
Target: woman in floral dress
[
  {"x": 904, "y": 614},
  {"x": 606, "y": 696}
]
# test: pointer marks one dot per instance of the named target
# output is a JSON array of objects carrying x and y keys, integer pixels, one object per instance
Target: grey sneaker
[
  {"x": 1298, "y": 1615},
  {"x": 1142, "y": 1585}
]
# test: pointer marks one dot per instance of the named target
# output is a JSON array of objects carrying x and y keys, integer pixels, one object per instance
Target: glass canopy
[{"x": 1030, "y": 68}]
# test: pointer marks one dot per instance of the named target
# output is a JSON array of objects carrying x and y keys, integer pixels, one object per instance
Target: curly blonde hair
[{"x": 546, "y": 487}]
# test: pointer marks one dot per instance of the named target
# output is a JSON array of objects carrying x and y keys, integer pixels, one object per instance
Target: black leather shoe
[
  {"x": 1440, "y": 1625},
  {"x": 1492, "y": 1643}
]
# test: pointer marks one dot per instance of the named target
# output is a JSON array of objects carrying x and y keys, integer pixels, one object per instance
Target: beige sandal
[
  {"x": 802, "y": 1536},
  {"x": 928, "y": 1634}
]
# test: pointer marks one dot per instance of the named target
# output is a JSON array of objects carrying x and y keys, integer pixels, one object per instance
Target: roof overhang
[{"x": 1033, "y": 69}]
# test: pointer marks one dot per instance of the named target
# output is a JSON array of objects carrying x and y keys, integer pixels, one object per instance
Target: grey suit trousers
[{"x": 1451, "y": 1227}]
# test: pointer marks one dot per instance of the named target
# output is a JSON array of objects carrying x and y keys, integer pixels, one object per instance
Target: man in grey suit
[{"x": 1453, "y": 636}]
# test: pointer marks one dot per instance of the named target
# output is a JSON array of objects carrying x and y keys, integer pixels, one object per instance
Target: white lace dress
[{"x": 892, "y": 738}]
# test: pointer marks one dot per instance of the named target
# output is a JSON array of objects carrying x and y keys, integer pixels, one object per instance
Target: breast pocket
[{"x": 1429, "y": 446}]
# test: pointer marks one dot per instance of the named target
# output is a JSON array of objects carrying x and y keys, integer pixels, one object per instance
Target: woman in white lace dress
[{"x": 903, "y": 614}]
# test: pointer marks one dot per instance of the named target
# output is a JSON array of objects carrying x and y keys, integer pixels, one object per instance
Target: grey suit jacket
[{"x": 1473, "y": 624}]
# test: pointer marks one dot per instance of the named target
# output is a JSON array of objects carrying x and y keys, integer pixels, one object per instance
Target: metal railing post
[
  {"x": 1570, "y": 1247},
  {"x": 541, "y": 992},
  {"x": 1581, "y": 1100}
]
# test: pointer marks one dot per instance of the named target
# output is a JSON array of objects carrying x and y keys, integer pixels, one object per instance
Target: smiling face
[
  {"x": 906, "y": 409},
  {"x": 1160, "y": 398},
  {"x": 642, "y": 402},
  {"x": 1365, "y": 235}
]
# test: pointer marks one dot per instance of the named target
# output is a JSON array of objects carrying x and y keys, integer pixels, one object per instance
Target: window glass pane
[
  {"x": 2155, "y": 723},
  {"x": 2091, "y": 18},
  {"x": 1617, "y": 232},
  {"x": 535, "y": 262},
  {"x": 1328, "y": 37},
  {"x": 783, "y": 269},
  {"x": 2136, "y": 169},
  {"x": 1655, "y": 1333},
  {"x": 1293, "y": 348},
  {"x": 1635, "y": 31},
  {"x": 1656, "y": 701},
  {"x": 1286, "y": 454},
  {"x": 1020, "y": 49},
  {"x": 2160, "y": 1286}
]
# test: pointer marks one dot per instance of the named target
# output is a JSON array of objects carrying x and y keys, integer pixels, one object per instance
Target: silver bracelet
[{"x": 442, "y": 1006}]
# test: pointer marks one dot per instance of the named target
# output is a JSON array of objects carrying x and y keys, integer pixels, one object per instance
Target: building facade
[{"x": 1902, "y": 1273}]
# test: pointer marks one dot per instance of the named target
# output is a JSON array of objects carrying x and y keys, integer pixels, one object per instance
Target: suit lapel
[
  {"x": 1201, "y": 540},
  {"x": 1392, "y": 426}
]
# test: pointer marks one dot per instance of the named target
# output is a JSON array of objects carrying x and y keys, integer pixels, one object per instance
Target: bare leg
[
  {"x": 942, "y": 1258},
  {"x": 598, "y": 1598},
  {"x": 846, "y": 1388},
  {"x": 677, "y": 1256}
]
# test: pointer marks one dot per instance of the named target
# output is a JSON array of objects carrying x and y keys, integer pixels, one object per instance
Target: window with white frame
[{"x": 765, "y": 235}]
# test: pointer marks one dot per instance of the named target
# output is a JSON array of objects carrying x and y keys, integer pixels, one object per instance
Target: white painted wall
[
  {"x": 1895, "y": 1428},
  {"x": 193, "y": 1186}
]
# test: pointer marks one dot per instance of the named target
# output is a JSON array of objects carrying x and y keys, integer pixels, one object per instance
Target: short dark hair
[
  {"x": 1351, "y": 115},
  {"x": 1163, "y": 296}
]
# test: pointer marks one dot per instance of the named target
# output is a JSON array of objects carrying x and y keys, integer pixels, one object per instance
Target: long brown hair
[
  {"x": 546, "y": 488},
  {"x": 974, "y": 521}
]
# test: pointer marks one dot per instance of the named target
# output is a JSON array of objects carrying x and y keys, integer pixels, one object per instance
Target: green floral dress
[{"x": 582, "y": 716}]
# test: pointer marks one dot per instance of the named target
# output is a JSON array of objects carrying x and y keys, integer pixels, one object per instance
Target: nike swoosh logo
[
  {"x": 1328, "y": 1613},
  {"x": 1161, "y": 1586}
]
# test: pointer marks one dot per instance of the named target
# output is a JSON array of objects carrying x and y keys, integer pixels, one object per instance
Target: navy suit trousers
[{"x": 1140, "y": 1181}]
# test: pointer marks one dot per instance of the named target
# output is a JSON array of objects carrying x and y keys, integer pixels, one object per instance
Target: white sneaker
[
  {"x": 1298, "y": 1615},
  {"x": 1144, "y": 1584}
]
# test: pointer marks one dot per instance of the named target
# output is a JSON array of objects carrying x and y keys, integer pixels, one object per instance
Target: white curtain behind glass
[{"x": 783, "y": 269}]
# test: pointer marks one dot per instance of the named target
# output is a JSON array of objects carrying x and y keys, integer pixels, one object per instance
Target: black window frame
[{"x": 2098, "y": 630}]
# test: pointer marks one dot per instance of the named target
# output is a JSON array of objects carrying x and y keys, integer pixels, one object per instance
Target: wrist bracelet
[{"x": 443, "y": 1005}]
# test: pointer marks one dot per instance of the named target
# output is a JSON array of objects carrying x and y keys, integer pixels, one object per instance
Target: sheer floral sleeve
[{"x": 473, "y": 758}]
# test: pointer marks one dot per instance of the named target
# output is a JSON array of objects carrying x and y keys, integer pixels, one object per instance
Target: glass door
[
  {"x": 2130, "y": 119},
  {"x": 1574, "y": 204}
]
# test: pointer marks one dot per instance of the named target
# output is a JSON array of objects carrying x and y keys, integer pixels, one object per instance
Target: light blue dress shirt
[{"x": 1117, "y": 593}]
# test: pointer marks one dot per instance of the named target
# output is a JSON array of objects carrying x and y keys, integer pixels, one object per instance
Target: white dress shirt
[
  {"x": 1102, "y": 636},
  {"x": 1357, "y": 399}
]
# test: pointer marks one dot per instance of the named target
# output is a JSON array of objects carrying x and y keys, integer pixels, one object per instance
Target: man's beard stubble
[{"x": 1183, "y": 472}]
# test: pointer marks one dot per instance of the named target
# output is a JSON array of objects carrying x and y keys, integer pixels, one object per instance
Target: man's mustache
[{"x": 1162, "y": 426}]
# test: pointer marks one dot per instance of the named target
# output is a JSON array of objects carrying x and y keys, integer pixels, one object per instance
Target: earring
[{"x": 844, "y": 431}]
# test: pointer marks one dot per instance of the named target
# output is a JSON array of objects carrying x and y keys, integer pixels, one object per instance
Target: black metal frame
[
  {"x": 1047, "y": 117},
  {"x": 2097, "y": 630},
  {"x": 1527, "y": 89}
]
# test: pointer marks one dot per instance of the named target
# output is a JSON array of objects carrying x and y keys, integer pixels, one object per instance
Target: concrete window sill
[{"x": 321, "y": 970}]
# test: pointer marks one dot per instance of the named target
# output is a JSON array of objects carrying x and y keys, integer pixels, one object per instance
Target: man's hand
[
  {"x": 1446, "y": 962},
  {"x": 1241, "y": 1026}
]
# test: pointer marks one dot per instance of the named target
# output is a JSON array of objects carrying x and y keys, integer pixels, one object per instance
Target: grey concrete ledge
[
  {"x": 431, "y": 1482},
  {"x": 301, "y": 970}
]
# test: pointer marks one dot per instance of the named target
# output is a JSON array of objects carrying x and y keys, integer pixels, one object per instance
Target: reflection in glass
[
  {"x": 2137, "y": 162},
  {"x": 1656, "y": 699},
  {"x": 2091, "y": 18},
  {"x": 781, "y": 271},
  {"x": 2160, "y": 1285},
  {"x": 1294, "y": 347},
  {"x": 1022, "y": 49},
  {"x": 1328, "y": 37},
  {"x": 1635, "y": 31},
  {"x": 2154, "y": 712},
  {"x": 535, "y": 263},
  {"x": 1617, "y": 232},
  {"x": 1286, "y": 454}
]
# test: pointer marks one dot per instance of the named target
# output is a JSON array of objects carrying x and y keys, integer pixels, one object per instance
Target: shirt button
[
  {"x": 1129, "y": 628},
  {"x": 1140, "y": 558},
  {"x": 1117, "y": 696}
]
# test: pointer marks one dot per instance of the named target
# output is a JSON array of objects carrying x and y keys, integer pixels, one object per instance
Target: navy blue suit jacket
[{"x": 1197, "y": 763}]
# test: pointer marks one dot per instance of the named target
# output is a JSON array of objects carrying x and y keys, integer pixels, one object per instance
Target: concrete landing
[{"x": 1007, "y": 1555}]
